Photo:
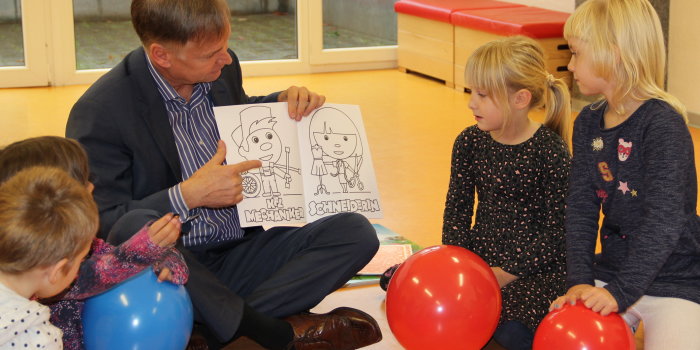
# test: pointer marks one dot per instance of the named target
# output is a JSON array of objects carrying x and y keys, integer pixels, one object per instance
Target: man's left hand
[{"x": 300, "y": 101}]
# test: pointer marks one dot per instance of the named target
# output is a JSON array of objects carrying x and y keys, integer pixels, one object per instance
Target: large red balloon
[
  {"x": 443, "y": 297},
  {"x": 576, "y": 327}
]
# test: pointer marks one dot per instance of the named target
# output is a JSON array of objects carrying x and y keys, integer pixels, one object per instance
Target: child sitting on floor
[
  {"x": 518, "y": 168},
  {"x": 633, "y": 162},
  {"x": 48, "y": 222},
  {"x": 107, "y": 265}
]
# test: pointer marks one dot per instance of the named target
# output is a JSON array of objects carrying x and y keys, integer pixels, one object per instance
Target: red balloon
[
  {"x": 443, "y": 297},
  {"x": 576, "y": 327}
]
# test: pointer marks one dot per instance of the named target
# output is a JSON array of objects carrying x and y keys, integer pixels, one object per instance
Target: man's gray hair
[{"x": 179, "y": 21}]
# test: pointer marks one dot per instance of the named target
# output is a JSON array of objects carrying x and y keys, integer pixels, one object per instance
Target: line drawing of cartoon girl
[
  {"x": 333, "y": 135},
  {"x": 257, "y": 139}
]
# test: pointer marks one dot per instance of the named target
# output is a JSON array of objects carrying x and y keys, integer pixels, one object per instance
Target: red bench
[
  {"x": 426, "y": 35},
  {"x": 475, "y": 27}
]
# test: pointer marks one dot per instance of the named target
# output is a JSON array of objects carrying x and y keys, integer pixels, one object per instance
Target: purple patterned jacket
[{"x": 107, "y": 266}]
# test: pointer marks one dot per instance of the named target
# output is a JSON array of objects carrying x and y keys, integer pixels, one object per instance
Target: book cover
[
  {"x": 313, "y": 168},
  {"x": 387, "y": 256},
  {"x": 393, "y": 249}
]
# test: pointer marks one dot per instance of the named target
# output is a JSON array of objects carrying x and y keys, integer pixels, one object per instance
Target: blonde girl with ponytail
[
  {"x": 511, "y": 73},
  {"x": 519, "y": 168}
]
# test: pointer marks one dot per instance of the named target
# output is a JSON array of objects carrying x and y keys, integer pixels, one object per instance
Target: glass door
[
  {"x": 65, "y": 42},
  {"x": 23, "y": 59},
  {"x": 354, "y": 31},
  {"x": 358, "y": 23},
  {"x": 263, "y": 34}
]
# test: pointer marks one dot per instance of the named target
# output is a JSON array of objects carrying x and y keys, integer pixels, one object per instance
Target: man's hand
[
  {"x": 300, "y": 101},
  {"x": 503, "y": 278},
  {"x": 215, "y": 185}
]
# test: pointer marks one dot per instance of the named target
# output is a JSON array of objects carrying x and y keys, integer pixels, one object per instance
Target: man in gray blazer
[{"x": 149, "y": 130}]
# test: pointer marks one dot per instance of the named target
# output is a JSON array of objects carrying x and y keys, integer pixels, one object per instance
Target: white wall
[
  {"x": 557, "y": 5},
  {"x": 684, "y": 50}
]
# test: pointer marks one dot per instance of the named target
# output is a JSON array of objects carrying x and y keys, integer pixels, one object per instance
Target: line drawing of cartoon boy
[
  {"x": 334, "y": 135},
  {"x": 257, "y": 139}
]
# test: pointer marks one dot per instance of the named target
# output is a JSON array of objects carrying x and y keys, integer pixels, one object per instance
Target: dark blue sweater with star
[{"x": 641, "y": 173}]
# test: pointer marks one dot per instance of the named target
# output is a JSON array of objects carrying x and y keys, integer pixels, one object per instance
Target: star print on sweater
[
  {"x": 651, "y": 157},
  {"x": 623, "y": 187},
  {"x": 597, "y": 144}
]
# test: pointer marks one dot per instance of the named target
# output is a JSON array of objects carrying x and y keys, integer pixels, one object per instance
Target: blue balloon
[{"x": 139, "y": 314}]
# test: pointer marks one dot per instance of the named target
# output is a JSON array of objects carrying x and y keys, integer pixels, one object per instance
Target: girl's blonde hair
[
  {"x": 505, "y": 66},
  {"x": 626, "y": 44}
]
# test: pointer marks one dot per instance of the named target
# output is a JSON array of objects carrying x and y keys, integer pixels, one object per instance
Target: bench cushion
[
  {"x": 440, "y": 10},
  {"x": 529, "y": 21}
]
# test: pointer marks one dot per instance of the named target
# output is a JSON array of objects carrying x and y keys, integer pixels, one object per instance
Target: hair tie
[{"x": 550, "y": 80}]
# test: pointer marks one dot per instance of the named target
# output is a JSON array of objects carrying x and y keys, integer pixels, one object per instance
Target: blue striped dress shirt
[{"x": 196, "y": 137}]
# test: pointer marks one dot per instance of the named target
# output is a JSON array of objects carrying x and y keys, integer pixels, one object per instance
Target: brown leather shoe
[
  {"x": 197, "y": 342},
  {"x": 341, "y": 329},
  {"x": 198, "y": 338}
]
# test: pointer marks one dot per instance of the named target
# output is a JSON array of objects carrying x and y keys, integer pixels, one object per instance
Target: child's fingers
[
  {"x": 594, "y": 304},
  {"x": 165, "y": 275},
  {"x": 557, "y": 303},
  {"x": 594, "y": 294},
  {"x": 159, "y": 224},
  {"x": 168, "y": 233},
  {"x": 599, "y": 300},
  {"x": 568, "y": 298},
  {"x": 171, "y": 232},
  {"x": 571, "y": 298},
  {"x": 155, "y": 231},
  {"x": 607, "y": 309},
  {"x": 602, "y": 306}
]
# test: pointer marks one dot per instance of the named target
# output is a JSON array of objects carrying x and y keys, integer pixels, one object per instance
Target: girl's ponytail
[{"x": 557, "y": 106}]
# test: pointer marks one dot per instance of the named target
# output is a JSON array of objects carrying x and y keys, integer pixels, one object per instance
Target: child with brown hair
[
  {"x": 49, "y": 221},
  {"x": 107, "y": 265}
]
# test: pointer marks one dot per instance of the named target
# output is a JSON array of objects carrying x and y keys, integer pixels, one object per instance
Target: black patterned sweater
[
  {"x": 641, "y": 173},
  {"x": 519, "y": 222}
]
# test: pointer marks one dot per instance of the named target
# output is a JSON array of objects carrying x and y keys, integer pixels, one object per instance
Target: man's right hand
[{"x": 215, "y": 185}]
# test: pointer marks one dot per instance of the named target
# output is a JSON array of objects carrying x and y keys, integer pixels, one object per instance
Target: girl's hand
[
  {"x": 574, "y": 293},
  {"x": 165, "y": 231},
  {"x": 599, "y": 300},
  {"x": 165, "y": 275}
]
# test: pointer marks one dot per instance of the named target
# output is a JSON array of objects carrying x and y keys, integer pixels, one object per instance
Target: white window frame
[
  {"x": 51, "y": 57},
  {"x": 35, "y": 71}
]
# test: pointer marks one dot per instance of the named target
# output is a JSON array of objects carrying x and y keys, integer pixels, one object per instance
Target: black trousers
[{"x": 279, "y": 272}]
